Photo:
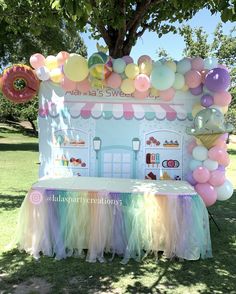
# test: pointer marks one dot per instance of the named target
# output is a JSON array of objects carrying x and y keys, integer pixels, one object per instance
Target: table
[{"x": 72, "y": 216}]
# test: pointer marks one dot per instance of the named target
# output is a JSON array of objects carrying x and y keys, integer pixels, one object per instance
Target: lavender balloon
[
  {"x": 196, "y": 91},
  {"x": 207, "y": 100},
  {"x": 190, "y": 179},
  {"x": 217, "y": 80},
  {"x": 221, "y": 167}
]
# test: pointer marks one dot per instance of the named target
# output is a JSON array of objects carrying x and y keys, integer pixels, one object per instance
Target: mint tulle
[{"x": 65, "y": 223}]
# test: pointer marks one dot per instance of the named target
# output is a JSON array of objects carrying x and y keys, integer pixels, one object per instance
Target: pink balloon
[
  {"x": 68, "y": 85},
  {"x": 191, "y": 146},
  {"x": 219, "y": 154},
  {"x": 62, "y": 57},
  {"x": 114, "y": 80},
  {"x": 193, "y": 78},
  {"x": 84, "y": 86},
  {"x": 140, "y": 95},
  {"x": 207, "y": 193},
  {"x": 221, "y": 144},
  {"x": 168, "y": 94},
  {"x": 217, "y": 178},
  {"x": 37, "y": 60},
  {"x": 142, "y": 83},
  {"x": 222, "y": 98},
  {"x": 201, "y": 174},
  {"x": 128, "y": 59},
  {"x": 197, "y": 63},
  {"x": 144, "y": 58}
]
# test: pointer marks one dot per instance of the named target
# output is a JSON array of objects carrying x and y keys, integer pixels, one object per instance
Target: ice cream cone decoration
[{"x": 208, "y": 140}]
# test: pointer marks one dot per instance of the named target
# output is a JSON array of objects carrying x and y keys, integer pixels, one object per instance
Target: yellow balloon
[
  {"x": 56, "y": 75},
  {"x": 196, "y": 108},
  {"x": 171, "y": 64},
  {"x": 51, "y": 62},
  {"x": 76, "y": 68},
  {"x": 185, "y": 88},
  {"x": 131, "y": 71},
  {"x": 154, "y": 92},
  {"x": 145, "y": 67},
  {"x": 127, "y": 86},
  {"x": 224, "y": 109}
]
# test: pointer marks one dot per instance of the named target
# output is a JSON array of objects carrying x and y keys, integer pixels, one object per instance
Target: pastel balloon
[
  {"x": 100, "y": 66},
  {"x": 84, "y": 86},
  {"x": 196, "y": 108},
  {"x": 197, "y": 91},
  {"x": 127, "y": 86},
  {"x": 193, "y": 78},
  {"x": 222, "y": 98},
  {"x": 128, "y": 59},
  {"x": 114, "y": 80},
  {"x": 76, "y": 68},
  {"x": 131, "y": 70},
  {"x": 217, "y": 80},
  {"x": 145, "y": 67},
  {"x": 56, "y": 75},
  {"x": 210, "y": 62},
  {"x": 142, "y": 83},
  {"x": 221, "y": 167},
  {"x": 203, "y": 75},
  {"x": 193, "y": 164},
  {"x": 37, "y": 60},
  {"x": 179, "y": 81},
  {"x": 217, "y": 178},
  {"x": 68, "y": 85},
  {"x": 200, "y": 153},
  {"x": 201, "y": 174},
  {"x": 189, "y": 178},
  {"x": 43, "y": 73},
  {"x": 154, "y": 92},
  {"x": 210, "y": 164},
  {"x": 191, "y": 145},
  {"x": 185, "y": 88},
  {"x": 162, "y": 78},
  {"x": 207, "y": 100},
  {"x": 197, "y": 63},
  {"x": 141, "y": 95},
  {"x": 118, "y": 65},
  {"x": 219, "y": 154},
  {"x": 51, "y": 62},
  {"x": 184, "y": 65},
  {"x": 225, "y": 191},
  {"x": 168, "y": 94},
  {"x": 62, "y": 57},
  {"x": 144, "y": 58},
  {"x": 207, "y": 193},
  {"x": 171, "y": 64}
]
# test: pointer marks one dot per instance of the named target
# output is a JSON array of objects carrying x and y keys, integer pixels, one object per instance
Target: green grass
[{"x": 20, "y": 273}]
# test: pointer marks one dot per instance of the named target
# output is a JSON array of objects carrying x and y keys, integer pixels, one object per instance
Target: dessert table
[{"x": 88, "y": 216}]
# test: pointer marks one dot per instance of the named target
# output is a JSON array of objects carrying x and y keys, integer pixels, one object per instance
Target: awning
[{"x": 127, "y": 111}]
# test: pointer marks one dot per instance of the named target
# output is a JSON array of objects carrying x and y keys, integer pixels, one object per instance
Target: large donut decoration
[{"x": 25, "y": 75}]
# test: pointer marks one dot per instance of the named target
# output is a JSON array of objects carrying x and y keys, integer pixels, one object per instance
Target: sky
[{"x": 173, "y": 44}]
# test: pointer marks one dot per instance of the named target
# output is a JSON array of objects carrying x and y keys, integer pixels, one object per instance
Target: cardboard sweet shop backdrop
[{"x": 109, "y": 117}]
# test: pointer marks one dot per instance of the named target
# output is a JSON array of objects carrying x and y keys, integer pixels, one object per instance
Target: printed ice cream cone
[{"x": 208, "y": 140}]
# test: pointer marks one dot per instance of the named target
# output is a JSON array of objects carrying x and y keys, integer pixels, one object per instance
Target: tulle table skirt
[{"x": 132, "y": 224}]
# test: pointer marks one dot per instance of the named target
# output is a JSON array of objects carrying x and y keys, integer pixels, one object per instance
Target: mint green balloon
[
  {"x": 118, "y": 65},
  {"x": 179, "y": 81},
  {"x": 183, "y": 66},
  {"x": 162, "y": 78}
]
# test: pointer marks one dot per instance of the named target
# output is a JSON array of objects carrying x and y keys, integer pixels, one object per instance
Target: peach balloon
[
  {"x": 84, "y": 86},
  {"x": 222, "y": 98},
  {"x": 203, "y": 75},
  {"x": 197, "y": 63},
  {"x": 193, "y": 78},
  {"x": 37, "y": 60},
  {"x": 114, "y": 80},
  {"x": 168, "y": 94},
  {"x": 62, "y": 57}
]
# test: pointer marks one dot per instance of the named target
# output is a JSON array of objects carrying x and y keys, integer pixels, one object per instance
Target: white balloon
[
  {"x": 225, "y": 191},
  {"x": 43, "y": 73},
  {"x": 193, "y": 164},
  {"x": 200, "y": 153},
  {"x": 210, "y": 164}
]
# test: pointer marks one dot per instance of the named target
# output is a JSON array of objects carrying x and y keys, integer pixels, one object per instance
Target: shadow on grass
[
  {"x": 9, "y": 202},
  {"x": 19, "y": 147},
  {"x": 215, "y": 275},
  {"x": 231, "y": 151}
]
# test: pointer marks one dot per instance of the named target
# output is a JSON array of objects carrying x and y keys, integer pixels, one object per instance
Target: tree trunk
[{"x": 33, "y": 126}]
